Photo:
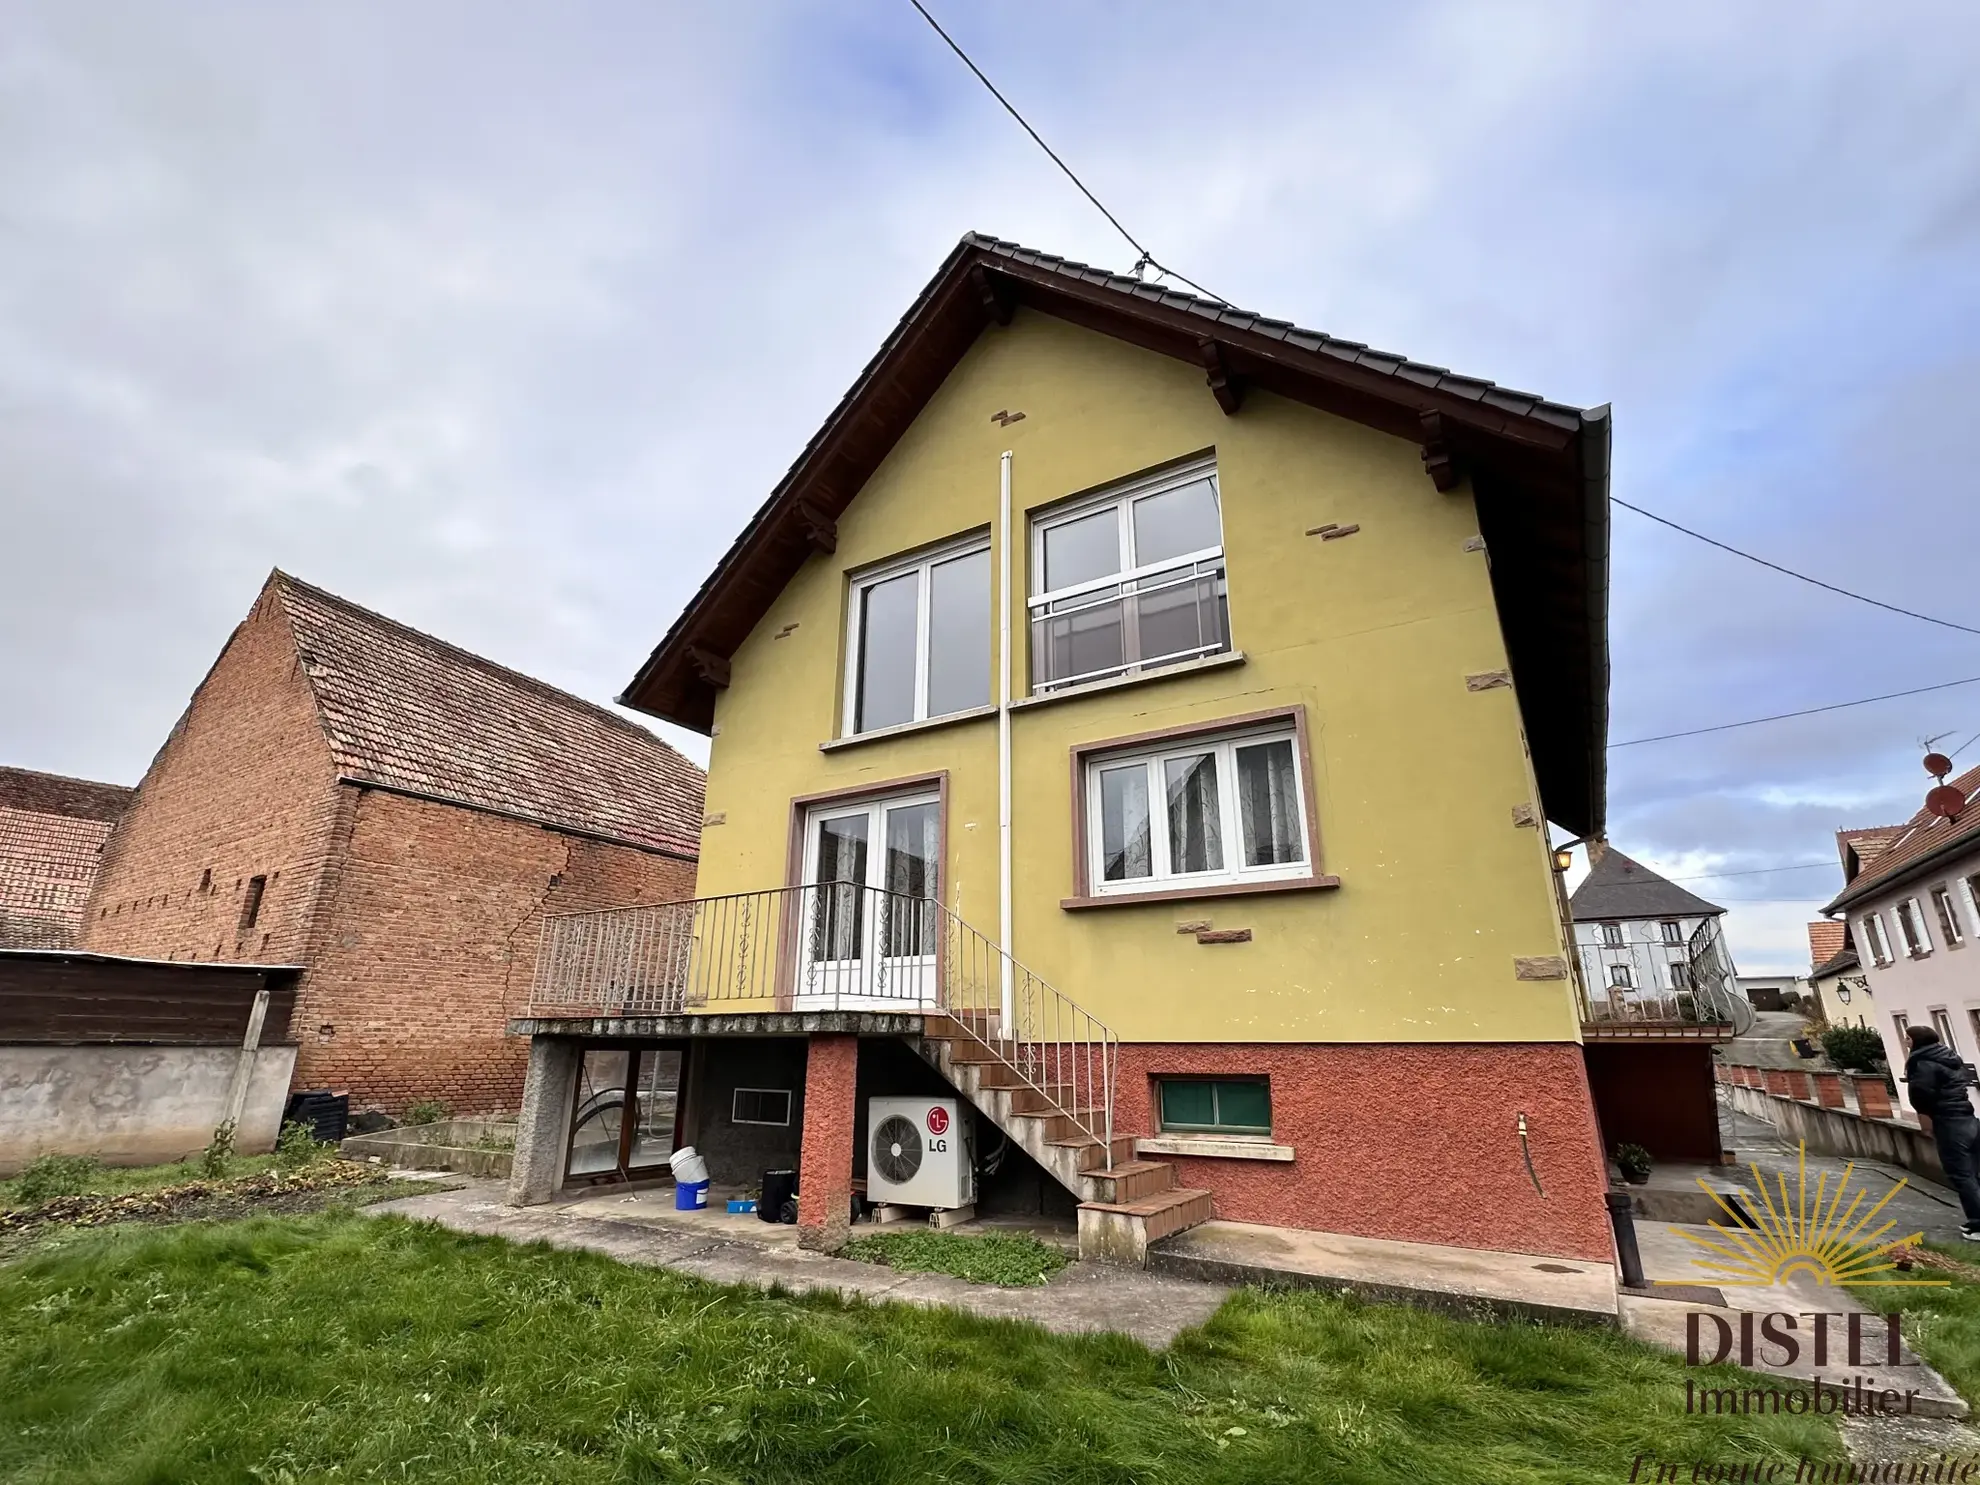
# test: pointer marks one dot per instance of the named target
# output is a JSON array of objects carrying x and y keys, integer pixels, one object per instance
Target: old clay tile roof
[
  {"x": 1539, "y": 471},
  {"x": 1826, "y": 939},
  {"x": 406, "y": 711},
  {"x": 51, "y": 831},
  {"x": 1617, "y": 887},
  {"x": 1912, "y": 846}
]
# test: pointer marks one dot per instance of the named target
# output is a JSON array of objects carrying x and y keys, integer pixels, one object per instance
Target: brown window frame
[
  {"x": 1948, "y": 910},
  {"x": 1084, "y": 755}
]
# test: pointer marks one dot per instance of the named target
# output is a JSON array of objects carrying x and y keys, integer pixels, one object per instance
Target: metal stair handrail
[
  {"x": 1057, "y": 1046},
  {"x": 838, "y": 945}
]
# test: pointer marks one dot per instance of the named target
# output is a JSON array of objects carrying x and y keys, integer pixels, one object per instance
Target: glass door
[
  {"x": 624, "y": 1123},
  {"x": 871, "y": 923}
]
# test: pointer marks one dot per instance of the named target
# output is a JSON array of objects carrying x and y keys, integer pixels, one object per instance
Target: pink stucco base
[
  {"x": 1407, "y": 1141},
  {"x": 825, "y": 1167}
]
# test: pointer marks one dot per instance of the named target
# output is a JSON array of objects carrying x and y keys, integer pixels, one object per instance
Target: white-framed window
[
  {"x": 918, "y": 640},
  {"x": 1949, "y": 928},
  {"x": 1207, "y": 810},
  {"x": 1129, "y": 578},
  {"x": 1942, "y": 1023},
  {"x": 1872, "y": 938},
  {"x": 760, "y": 1106},
  {"x": 1911, "y": 923},
  {"x": 1612, "y": 935},
  {"x": 1670, "y": 931},
  {"x": 1619, "y": 977}
]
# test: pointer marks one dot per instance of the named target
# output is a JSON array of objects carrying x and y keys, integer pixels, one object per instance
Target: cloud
[{"x": 503, "y": 321}]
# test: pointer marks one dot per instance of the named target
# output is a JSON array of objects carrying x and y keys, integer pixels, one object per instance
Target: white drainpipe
[{"x": 1004, "y": 739}]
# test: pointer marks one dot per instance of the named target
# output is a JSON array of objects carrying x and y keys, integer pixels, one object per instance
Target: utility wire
[
  {"x": 1758, "y": 871},
  {"x": 1964, "y": 746},
  {"x": 1784, "y": 716},
  {"x": 1010, "y": 108},
  {"x": 1790, "y": 572}
]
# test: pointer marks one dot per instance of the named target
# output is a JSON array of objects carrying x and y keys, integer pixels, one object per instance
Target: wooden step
[{"x": 1129, "y": 1183}]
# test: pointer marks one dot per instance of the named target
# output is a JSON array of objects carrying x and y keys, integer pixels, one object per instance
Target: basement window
[
  {"x": 1215, "y": 1105},
  {"x": 761, "y": 1106},
  {"x": 251, "y": 902}
]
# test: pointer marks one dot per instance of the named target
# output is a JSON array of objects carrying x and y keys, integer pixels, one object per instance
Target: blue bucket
[{"x": 690, "y": 1196}]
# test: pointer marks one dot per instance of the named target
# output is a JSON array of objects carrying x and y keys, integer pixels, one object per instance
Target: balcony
[{"x": 831, "y": 947}]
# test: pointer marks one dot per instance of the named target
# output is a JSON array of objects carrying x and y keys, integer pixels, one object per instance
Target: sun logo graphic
[{"x": 1804, "y": 1231}]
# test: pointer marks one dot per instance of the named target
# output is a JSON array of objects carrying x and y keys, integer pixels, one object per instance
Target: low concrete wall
[
  {"x": 1841, "y": 1132},
  {"x": 133, "y": 1105},
  {"x": 464, "y": 1146}
]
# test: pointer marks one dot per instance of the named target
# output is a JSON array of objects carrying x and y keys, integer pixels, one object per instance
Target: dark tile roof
[
  {"x": 1617, "y": 887},
  {"x": 1353, "y": 352},
  {"x": 1914, "y": 846},
  {"x": 53, "y": 794},
  {"x": 407, "y": 711}
]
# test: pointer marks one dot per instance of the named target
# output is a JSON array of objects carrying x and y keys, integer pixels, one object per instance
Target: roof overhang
[
  {"x": 1874, "y": 883},
  {"x": 1539, "y": 472}
]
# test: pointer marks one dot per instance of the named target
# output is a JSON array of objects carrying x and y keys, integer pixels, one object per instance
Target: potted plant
[{"x": 1634, "y": 1163}]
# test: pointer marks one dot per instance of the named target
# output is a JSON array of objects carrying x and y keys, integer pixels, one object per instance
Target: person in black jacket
[{"x": 1938, "y": 1082}]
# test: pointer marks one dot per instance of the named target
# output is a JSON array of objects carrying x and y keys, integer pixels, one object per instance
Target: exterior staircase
[{"x": 1125, "y": 1203}]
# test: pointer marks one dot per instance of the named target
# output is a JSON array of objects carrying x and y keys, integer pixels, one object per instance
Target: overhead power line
[
  {"x": 1758, "y": 871},
  {"x": 1790, "y": 572},
  {"x": 1811, "y": 711},
  {"x": 1010, "y": 108}
]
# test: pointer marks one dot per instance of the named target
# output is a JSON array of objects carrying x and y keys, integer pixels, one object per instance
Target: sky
[{"x": 501, "y": 320}]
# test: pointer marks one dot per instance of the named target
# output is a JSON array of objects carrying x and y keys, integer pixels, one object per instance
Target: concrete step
[
  {"x": 1130, "y": 1182},
  {"x": 1026, "y": 1099},
  {"x": 1120, "y": 1232},
  {"x": 1061, "y": 1124},
  {"x": 1089, "y": 1154}
]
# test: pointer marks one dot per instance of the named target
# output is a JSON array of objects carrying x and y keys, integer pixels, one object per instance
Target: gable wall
[
  {"x": 427, "y": 945},
  {"x": 1416, "y": 775},
  {"x": 243, "y": 787}
]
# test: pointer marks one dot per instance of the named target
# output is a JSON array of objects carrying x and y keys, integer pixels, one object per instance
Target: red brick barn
[
  {"x": 394, "y": 815},
  {"x": 51, "y": 829}
]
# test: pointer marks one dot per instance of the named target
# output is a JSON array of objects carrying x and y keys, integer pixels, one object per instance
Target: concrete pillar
[
  {"x": 543, "y": 1129},
  {"x": 825, "y": 1164},
  {"x": 1873, "y": 1099},
  {"x": 1829, "y": 1090}
]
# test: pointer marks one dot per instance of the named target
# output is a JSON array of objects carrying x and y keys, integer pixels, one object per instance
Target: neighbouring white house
[
  {"x": 1910, "y": 906},
  {"x": 1641, "y": 938},
  {"x": 1837, "y": 979}
]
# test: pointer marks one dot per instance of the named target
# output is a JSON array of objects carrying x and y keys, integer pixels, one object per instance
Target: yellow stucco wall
[{"x": 1416, "y": 776}]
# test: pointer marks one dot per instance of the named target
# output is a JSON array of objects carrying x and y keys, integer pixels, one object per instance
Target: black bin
[
  {"x": 779, "y": 1200},
  {"x": 324, "y": 1114}
]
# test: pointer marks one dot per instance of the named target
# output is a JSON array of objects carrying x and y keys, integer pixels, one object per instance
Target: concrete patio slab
[
  {"x": 1471, "y": 1282},
  {"x": 1080, "y": 1299}
]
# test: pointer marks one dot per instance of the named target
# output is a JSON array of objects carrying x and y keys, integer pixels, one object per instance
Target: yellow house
[{"x": 1134, "y": 723}]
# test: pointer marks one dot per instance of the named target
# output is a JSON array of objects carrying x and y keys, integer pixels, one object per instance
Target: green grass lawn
[
  {"x": 1942, "y": 1324},
  {"x": 351, "y": 1348}
]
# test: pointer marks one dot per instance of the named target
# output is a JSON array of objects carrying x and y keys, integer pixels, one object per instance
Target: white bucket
[{"x": 689, "y": 1168}]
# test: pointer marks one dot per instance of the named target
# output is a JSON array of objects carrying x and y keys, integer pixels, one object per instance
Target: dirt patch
[{"x": 275, "y": 1192}]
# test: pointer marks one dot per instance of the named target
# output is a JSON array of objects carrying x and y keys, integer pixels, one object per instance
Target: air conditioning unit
[{"x": 919, "y": 1152}]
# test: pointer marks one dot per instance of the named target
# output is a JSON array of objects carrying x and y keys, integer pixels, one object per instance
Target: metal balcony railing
[{"x": 830, "y": 947}]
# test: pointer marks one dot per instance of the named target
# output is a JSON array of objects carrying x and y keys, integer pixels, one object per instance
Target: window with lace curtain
[{"x": 1205, "y": 810}]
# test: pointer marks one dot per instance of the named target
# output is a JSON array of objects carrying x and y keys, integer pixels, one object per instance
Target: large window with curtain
[{"x": 1207, "y": 811}]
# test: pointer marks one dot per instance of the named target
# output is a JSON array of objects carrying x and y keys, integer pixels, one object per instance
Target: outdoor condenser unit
[{"x": 919, "y": 1153}]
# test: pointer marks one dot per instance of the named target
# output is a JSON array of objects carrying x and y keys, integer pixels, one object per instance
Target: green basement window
[{"x": 1215, "y": 1105}]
